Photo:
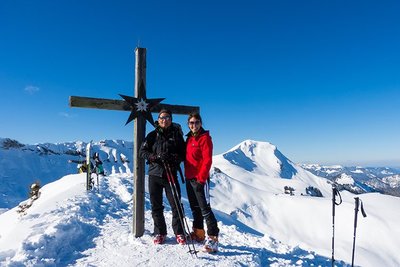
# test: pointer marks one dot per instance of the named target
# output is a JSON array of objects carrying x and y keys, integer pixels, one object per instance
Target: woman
[{"x": 197, "y": 168}]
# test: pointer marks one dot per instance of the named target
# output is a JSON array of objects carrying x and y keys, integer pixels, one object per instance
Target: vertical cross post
[{"x": 138, "y": 136}]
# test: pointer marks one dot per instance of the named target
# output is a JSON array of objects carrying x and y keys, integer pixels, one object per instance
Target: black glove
[
  {"x": 153, "y": 158},
  {"x": 163, "y": 156}
]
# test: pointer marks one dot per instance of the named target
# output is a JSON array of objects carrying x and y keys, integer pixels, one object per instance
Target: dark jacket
[
  {"x": 99, "y": 166},
  {"x": 159, "y": 142}
]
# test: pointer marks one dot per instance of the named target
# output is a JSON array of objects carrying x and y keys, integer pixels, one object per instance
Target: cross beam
[
  {"x": 122, "y": 105},
  {"x": 139, "y": 116}
]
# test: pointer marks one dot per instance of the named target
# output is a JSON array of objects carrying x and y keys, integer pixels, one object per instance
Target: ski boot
[
  {"x": 211, "y": 244},
  {"x": 198, "y": 235}
]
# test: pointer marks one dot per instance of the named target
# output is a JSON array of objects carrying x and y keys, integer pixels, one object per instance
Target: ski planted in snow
[{"x": 88, "y": 169}]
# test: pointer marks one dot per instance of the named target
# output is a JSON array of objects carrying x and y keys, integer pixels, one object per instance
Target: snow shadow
[
  {"x": 287, "y": 169},
  {"x": 238, "y": 158},
  {"x": 63, "y": 247},
  {"x": 265, "y": 257},
  {"x": 227, "y": 219}
]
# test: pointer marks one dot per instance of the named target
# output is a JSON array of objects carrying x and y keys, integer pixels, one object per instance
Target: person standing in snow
[
  {"x": 165, "y": 144},
  {"x": 198, "y": 162},
  {"x": 82, "y": 165},
  {"x": 98, "y": 163}
]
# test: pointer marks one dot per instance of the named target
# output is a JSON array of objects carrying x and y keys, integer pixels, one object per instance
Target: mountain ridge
[
  {"x": 385, "y": 180},
  {"x": 22, "y": 164},
  {"x": 261, "y": 225}
]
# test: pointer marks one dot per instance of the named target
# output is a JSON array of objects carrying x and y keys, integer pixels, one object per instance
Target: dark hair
[{"x": 195, "y": 115}]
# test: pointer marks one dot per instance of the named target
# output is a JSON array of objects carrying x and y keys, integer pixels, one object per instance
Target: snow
[
  {"x": 393, "y": 181},
  {"x": 345, "y": 179},
  {"x": 333, "y": 167},
  {"x": 260, "y": 225},
  {"x": 20, "y": 167},
  {"x": 331, "y": 171}
]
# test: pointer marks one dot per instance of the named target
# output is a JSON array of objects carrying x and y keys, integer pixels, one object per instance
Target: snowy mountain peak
[
  {"x": 256, "y": 156},
  {"x": 344, "y": 179},
  {"x": 252, "y": 147},
  {"x": 263, "y": 166},
  {"x": 393, "y": 180}
]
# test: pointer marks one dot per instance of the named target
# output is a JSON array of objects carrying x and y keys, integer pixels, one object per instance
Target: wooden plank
[
  {"x": 176, "y": 109},
  {"x": 98, "y": 103}
]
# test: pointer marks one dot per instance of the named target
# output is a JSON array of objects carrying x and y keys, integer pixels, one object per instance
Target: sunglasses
[
  {"x": 166, "y": 118},
  {"x": 194, "y": 122}
]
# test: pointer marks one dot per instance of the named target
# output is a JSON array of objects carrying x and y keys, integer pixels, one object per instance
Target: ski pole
[
  {"x": 357, "y": 204},
  {"x": 97, "y": 176},
  {"x": 186, "y": 226},
  {"x": 98, "y": 186},
  {"x": 179, "y": 206},
  {"x": 335, "y": 192}
]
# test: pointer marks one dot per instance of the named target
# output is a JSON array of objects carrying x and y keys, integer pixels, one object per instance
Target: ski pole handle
[
  {"x": 357, "y": 203},
  {"x": 362, "y": 209}
]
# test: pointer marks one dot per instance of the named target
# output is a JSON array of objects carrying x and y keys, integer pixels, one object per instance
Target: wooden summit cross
[{"x": 141, "y": 109}]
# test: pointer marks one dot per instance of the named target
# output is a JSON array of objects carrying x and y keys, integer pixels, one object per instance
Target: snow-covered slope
[
  {"x": 21, "y": 165},
  {"x": 261, "y": 165},
  {"x": 260, "y": 225},
  {"x": 249, "y": 182},
  {"x": 67, "y": 226},
  {"x": 393, "y": 180}
]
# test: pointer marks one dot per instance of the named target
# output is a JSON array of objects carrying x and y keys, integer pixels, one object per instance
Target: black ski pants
[
  {"x": 156, "y": 187},
  {"x": 199, "y": 200}
]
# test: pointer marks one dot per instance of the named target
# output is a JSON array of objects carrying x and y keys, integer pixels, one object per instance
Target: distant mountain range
[
  {"x": 21, "y": 165},
  {"x": 360, "y": 179}
]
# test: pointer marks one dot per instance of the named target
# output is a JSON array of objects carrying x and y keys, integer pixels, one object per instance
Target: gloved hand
[
  {"x": 153, "y": 158},
  {"x": 163, "y": 156}
]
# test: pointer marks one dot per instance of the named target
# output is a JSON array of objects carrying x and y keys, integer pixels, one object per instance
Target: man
[{"x": 164, "y": 145}]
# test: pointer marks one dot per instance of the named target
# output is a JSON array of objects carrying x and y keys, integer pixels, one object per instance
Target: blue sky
[{"x": 319, "y": 79}]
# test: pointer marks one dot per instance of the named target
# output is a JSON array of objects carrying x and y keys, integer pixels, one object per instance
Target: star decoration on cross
[{"x": 141, "y": 107}]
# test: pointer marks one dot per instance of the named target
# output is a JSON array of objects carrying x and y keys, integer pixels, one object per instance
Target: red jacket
[{"x": 198, "y": 156}]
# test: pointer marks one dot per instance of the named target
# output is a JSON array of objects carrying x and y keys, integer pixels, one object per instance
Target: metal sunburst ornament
[{"x": 141, "y": 107}]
